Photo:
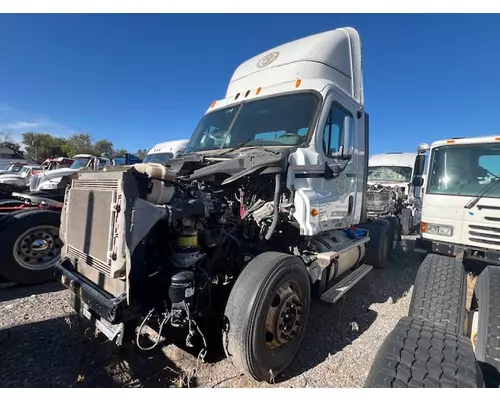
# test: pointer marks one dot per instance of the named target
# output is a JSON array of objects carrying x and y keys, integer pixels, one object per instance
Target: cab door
[{"x": 340, "y": 137}]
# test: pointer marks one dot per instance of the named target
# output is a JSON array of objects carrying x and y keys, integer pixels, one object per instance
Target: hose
[
  {"x": 165, "y": 320},
  {"x": 276, "y": 207}
]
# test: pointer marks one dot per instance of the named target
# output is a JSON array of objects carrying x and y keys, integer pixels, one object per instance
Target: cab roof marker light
[
  {"x": 247, "y": 93},
  {"x": 236, "y": 97},
  {"x": 258, "y": 90},
  {"x": 450, "y": 141},
  {"x": 213, "y": 104},
  {"x": 297, "y": 83}
]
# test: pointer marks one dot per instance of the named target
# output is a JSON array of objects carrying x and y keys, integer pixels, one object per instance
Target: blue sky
[{"x": 141, "y": 79}]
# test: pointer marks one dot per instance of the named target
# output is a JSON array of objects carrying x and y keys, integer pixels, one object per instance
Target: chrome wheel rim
[{"x": 38, "y": 248}]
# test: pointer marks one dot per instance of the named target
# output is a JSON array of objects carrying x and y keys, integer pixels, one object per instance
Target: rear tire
[
  {"x": 394, "y": 234},
  {"x": 487, "y": 295},
  {"x": 256, "y": 328},
  {"x": 424, "y": 355},
  {"x": 43, "y": 252},
  {"x": 440, "y": 293},
  {"x": 378, "y": 248}
]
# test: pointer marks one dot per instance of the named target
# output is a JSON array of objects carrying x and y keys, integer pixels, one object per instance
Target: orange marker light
[
  {"x": 497, "y": 139},
  {"x": 423, "y": 227},
  {"x": 297, "y": 84},
  {"x": 314, "y": 212},
  {"x": 450, "y": 141},
  {"x": 258, "y": 90},
  {"x": 213, "y": 104}
]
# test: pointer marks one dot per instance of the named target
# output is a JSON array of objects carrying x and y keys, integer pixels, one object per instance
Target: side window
[
  {"x": 339, "y": 130},
  {"x": 103, "y": 163},
  {"x": 489, "y": 165}
]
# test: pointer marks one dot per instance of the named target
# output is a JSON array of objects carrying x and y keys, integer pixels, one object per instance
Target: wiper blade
[
  {"x": 252, "y": 148},
  {"x": 483, "y": 192}
]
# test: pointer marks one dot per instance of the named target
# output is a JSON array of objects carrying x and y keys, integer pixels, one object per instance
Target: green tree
[
  {"x": 104, "y": 148},
  {"x": 120, "y": 153},
  {"x": 40, "y": 146},
  {"x": 142, "y": 153},
  {"x": 79, "y": 143}
]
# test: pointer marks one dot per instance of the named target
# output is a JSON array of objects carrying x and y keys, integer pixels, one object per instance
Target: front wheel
[{"x": 266, "y": 315}]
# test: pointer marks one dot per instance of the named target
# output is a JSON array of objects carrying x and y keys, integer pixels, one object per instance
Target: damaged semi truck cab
[
  {"x": 239, "y": 232},
  {"x": 391, "y": 191}
]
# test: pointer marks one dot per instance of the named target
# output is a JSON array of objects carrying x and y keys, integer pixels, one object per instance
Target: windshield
[
  {"x": 79, "y": 163},
  {"x": 389, "y": 173},
  {"x": 158, "y": 158},
  {"x": 23, "y": 170},
  {"x": 14, "y": 168},
  {"x": 464, "y": 170},
  {"x": 277, "y": 121}
]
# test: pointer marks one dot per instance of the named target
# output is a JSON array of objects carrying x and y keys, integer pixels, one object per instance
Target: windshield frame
[
  {"x": 307, "y": 139},
  {"x": 427, "y": 183},
  {"x": 77, "y": 160}
]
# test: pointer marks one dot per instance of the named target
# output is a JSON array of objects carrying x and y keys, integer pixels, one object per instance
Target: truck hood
[
  {"x": 59, "y": 172},
  {"x": 13, "y": 181},
  {"x": 10, "y": 176},
  {"x": 53, "y": 176}
]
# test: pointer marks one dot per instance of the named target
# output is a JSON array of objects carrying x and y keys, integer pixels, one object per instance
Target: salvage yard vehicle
[
  {"x": 29, "y": 233},
  {"x": 163, "y": 152},
  {"x": 13, "y": 168},
  {"x": 56, "y": 163},
  {"x": 50, "y": 179},
  {"x": 21, "y": 178},
  {"x": 446, "y": 342},
  {"x": 264, "y": 210},
  {"x": 128, "y": 159},
  {"x": 391, "y": 191}
]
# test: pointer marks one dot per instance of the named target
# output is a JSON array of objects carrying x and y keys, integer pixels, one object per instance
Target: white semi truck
[
  {"x": 264, "y": 210},
  {"x": 445, "y": 342},
  {"x": 50, "y": 180},
  {"x": 391, "y": 190},
  {"x": 165, "y": 151}
]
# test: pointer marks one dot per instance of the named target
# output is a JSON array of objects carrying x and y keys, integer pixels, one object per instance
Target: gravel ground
[{"x": 43, "y": 343}]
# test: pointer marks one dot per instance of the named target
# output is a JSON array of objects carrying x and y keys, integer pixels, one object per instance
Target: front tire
[{"x": 266, "y": 315}]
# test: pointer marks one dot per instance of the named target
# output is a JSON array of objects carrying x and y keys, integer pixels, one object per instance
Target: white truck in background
[
  {"x": 391, "y": 190},
  {"x": 165, "y": 151},
  {"x": 49, "y": 180},
  {"x": 263, "y": 210},
  {"x": 459, "y": 234}
]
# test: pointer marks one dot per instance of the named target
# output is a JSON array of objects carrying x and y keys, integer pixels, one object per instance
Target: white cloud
[{"x": 16, "y": 122}]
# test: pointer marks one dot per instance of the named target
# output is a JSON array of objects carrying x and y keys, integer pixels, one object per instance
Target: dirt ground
[{"x": 44, "y": 344}]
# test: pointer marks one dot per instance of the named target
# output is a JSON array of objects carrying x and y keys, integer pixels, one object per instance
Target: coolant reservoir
[{"x": 160, "y": 193}]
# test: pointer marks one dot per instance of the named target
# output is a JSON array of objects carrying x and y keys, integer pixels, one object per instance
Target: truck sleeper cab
[
  {"x": 258, "y": 211},
  {"x": 163, "y": 152}
]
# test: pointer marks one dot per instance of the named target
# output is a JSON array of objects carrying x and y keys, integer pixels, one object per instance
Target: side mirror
[
  {"x": 417, "y": 181},
  {"x": 423, "y": 148},
  {"x": 419, "y": 165}
]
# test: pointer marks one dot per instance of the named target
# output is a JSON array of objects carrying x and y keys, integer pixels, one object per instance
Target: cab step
[{"x": 339, "y": 289}]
